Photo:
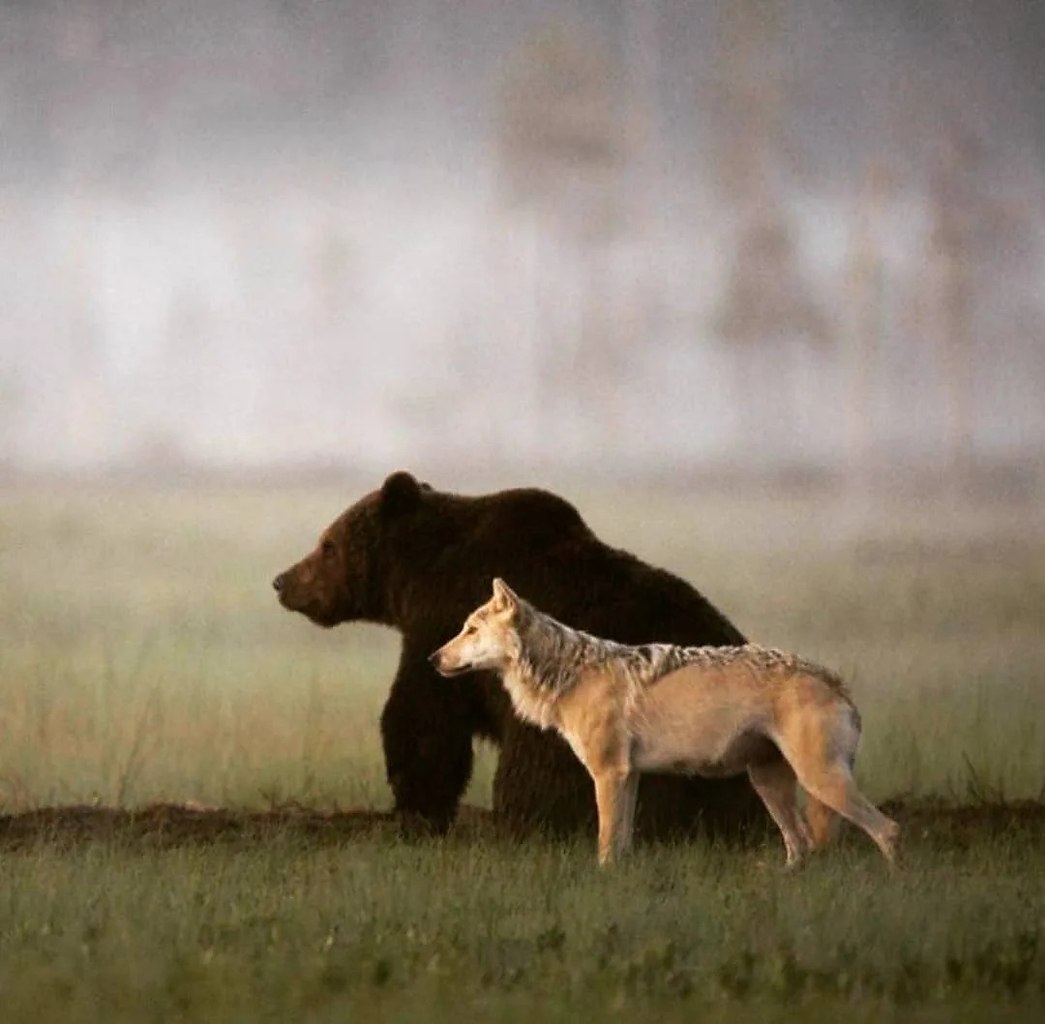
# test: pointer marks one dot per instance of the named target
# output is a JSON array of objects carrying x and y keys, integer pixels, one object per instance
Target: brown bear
[{"x": 420, "y": 560}]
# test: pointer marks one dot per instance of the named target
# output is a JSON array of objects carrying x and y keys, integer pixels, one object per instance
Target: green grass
[
  {"x": 144, "y": 659},
  {"x": 461, "y": 930}
]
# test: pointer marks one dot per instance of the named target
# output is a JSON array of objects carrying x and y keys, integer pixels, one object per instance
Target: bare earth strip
[{"x": 168, "y": 825}]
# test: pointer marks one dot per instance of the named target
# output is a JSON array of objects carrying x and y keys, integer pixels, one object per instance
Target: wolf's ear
[
  {"x": 504, "y": 596},
  {"x": 399, "y": 493}
]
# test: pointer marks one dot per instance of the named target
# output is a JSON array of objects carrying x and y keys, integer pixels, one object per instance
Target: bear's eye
[
  {"x": 327, "y": 548},
  {"x": 470, "y": 629}
]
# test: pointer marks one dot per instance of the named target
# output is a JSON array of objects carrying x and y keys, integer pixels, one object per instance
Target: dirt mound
[
  {"x": 169, "y": 825},
  {"x": 936, "y": 822}
]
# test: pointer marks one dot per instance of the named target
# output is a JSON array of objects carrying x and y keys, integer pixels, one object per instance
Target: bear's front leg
[
  {"x": 426, "y": 733},
  {"x": 539, "y": 785}
]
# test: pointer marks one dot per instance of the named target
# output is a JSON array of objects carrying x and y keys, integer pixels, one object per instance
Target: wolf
[{"x": 712, "y": 711}]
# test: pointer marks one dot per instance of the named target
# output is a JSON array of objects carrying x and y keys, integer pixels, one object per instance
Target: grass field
[{"x": 144, "y": 660}]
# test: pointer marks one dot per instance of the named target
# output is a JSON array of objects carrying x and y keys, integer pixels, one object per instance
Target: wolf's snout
[
  {"x": 279, "y": 583},
  {"x": 433, "y": 659}
]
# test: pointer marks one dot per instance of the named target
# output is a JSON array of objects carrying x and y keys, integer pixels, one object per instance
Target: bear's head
[{"x": 344, "y": 578}]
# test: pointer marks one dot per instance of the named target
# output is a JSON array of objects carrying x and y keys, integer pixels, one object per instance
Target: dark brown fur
[{"x": 420, "y": 560}]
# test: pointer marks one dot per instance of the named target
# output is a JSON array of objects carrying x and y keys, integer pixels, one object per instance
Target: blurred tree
[
  {"x": 326, "y": 356},
  {"x": 975, "y": 240},
  {"x": 184, "y": 369},
  {"x": 87, "y": 405},
  {"x": 648, "y": 183},
  {"x": 866, "y": 286},
  {"x": 768, "y": 310},
  {"x": 561, "y": 149},
  {"x": 750, "y": 101},
  {"x": 333, "y": 268},
  {"x": 766, "y": 297},
  {"x": 12, "y": 408},
  {"x": 955, "y": 213},
  {"x": 559, "y": 131}
]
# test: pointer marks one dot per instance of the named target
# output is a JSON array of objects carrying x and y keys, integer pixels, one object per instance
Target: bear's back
[{"x": 539, "y": 543}]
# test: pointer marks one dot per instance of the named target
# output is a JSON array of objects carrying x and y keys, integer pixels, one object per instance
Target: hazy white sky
[{"x": 279, "y": 231}]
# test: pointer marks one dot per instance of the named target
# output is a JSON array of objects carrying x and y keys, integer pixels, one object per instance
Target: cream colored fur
[{"x": 715, "y": 711}]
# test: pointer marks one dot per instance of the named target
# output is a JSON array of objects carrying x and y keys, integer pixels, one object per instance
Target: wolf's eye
[
  {"x": 470, "y": 629},
  {"x": 327, "y": 548}
]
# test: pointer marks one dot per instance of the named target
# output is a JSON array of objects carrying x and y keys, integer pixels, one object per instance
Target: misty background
[{"x": 619, "y": 236}]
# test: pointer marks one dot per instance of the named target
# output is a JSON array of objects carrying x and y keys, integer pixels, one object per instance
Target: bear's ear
[{"x": 399, "y": 493}]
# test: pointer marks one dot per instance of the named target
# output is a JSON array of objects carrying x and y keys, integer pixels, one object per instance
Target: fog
[{"x": 606, "y": 236}]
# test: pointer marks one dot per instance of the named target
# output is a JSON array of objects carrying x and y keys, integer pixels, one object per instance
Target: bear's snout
[{"x": 301, "y": 589}]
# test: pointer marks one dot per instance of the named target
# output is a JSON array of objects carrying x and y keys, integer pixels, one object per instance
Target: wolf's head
[{"x": 489, "y": 638}]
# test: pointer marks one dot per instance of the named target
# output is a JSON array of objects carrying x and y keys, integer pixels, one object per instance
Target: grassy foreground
[
  {"x": 460, "y": 930},
  {"x": 143, "y": 660}
]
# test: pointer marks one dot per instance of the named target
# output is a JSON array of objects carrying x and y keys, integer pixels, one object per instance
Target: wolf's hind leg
[
  {"x": 822, "y": 822},
  {"x": 774, "y": 781},
  {"x": 834, "y": 786}
]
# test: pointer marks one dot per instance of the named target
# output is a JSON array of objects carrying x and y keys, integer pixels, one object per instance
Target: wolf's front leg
[
  {"x": 611, "y": 799},
  {"x": 627, "y": 826}
]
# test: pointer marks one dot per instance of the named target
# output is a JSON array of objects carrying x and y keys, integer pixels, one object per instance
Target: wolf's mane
[{"x": 553, "y": 657}]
